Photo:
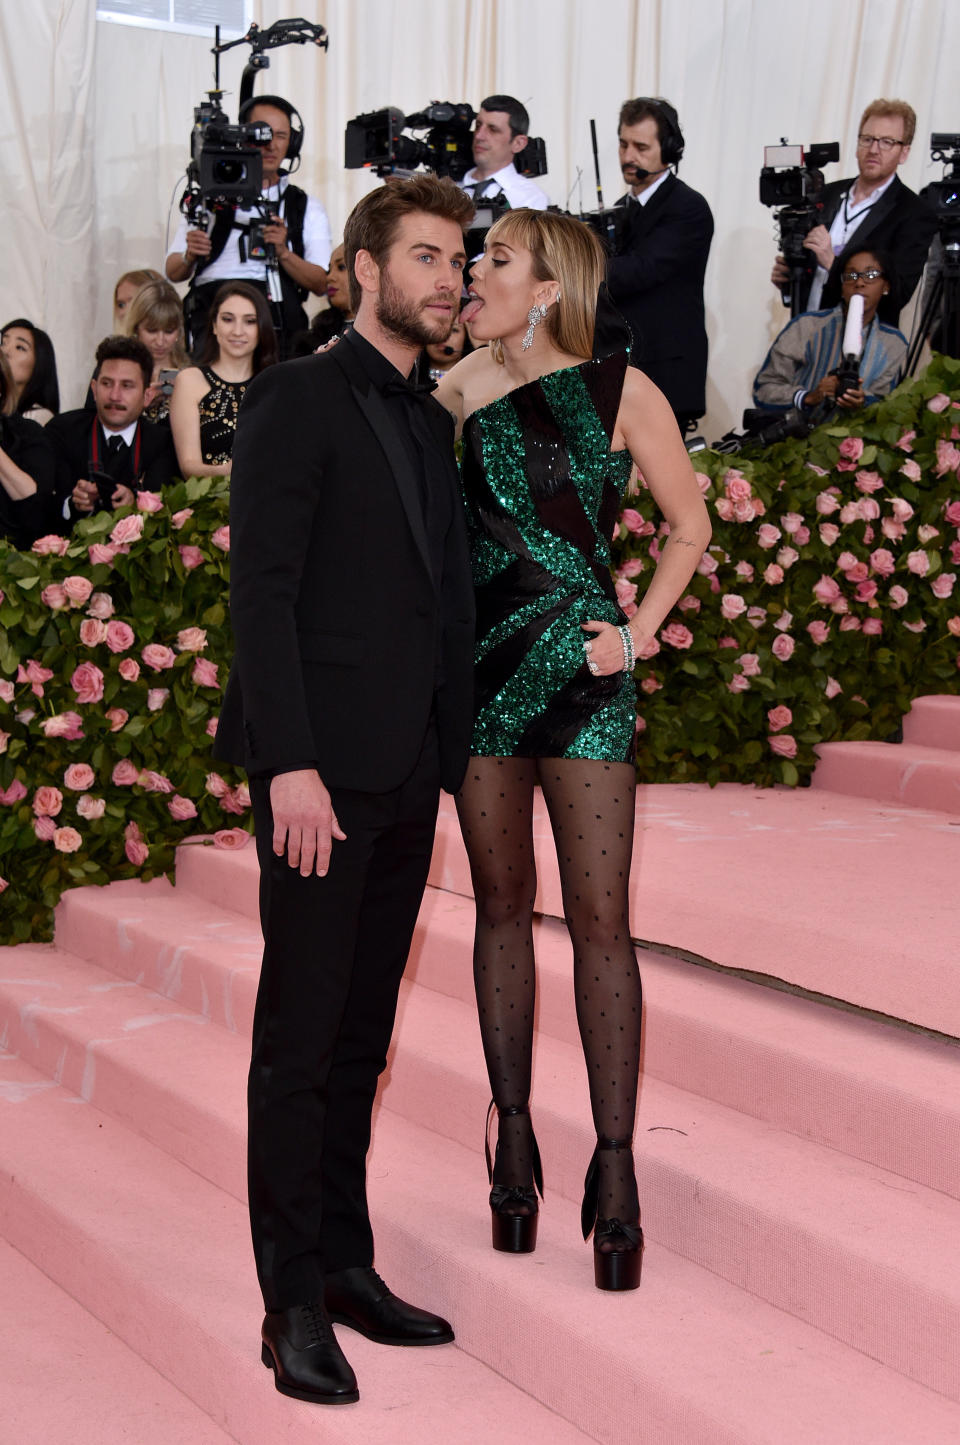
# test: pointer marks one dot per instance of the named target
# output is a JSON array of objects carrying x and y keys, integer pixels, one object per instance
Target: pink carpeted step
[
  {"x": 820, "y": 1073},
  {"x": 934, "y": 722},
  {"x": 910, "y": 774},
  {"x": 65, "y": 1379},
  {"x": 163, "y": 1257},
  {"x": 826, "y": 1233}
]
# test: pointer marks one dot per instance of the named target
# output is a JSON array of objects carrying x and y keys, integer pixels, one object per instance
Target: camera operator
[
  {"x": 801, "y": 367},
  {"x": 500, "y": 133},
  {"x": 298, "y": 228},
  {"x": 874, "y": 208},
  {"x": 105, "y": 458},
  {"x": 656, "y": 277}
]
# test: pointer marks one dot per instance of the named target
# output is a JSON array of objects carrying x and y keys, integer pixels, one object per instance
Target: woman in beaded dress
[
  {"x": 206, "y": 398},
  {"x": 552, "y": 419}
]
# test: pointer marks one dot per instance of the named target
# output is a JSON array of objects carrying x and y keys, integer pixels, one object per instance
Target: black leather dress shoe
[
  {"x": 359, "y": 1298},
  {"x": 299, "y": 1346}
]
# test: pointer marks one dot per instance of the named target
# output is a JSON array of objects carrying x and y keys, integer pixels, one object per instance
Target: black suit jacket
[
  {"x": 341, "y": 627},
  {"x": 71, "y": 434},
  {"x": 657, "y": 284},
  {"x": 901, "y": 223}
]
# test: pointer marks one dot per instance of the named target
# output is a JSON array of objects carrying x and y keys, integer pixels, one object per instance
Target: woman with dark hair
[
  {"x": 206, "y": 398},
  {"x": 33, "y": 367},
  {"x": 442, "y": 356},
  {"x": 553, "y": 420},
  {"x": 28, "y": 470}
]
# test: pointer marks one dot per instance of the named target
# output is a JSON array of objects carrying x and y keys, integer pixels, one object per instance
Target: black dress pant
[{"x": 334, "y": 953}]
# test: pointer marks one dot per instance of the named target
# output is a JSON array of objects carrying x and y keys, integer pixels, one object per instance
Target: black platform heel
[
  {"x": 617, "y": 1247},
  {"x": 514, "y": 1208}
]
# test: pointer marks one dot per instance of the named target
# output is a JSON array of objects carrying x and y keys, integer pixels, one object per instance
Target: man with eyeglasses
[{"x": 873, "y": 208}]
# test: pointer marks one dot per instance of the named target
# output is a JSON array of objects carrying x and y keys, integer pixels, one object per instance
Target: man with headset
[
  {"x": 656, "y": 277},
  {"x": 298, "y": 228}
]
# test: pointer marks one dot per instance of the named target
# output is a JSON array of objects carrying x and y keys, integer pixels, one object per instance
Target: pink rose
[
  {"x": 820, "y": 471},
  {"x": 779, "y": 718},
  {"x": 63, "y": 725},
  {"x": 689, "y": 603},
  {"x": 911, "y": 469},
  {"x": 951, "y": 513},
  {"x": 783, "y": 621},
  {"x": 101, "y": 554},
  {"x": 205, "y": 673},
  {"x": 181, "y": 808},
  {"x": 892, "y": 530},
  {"x": 676, "y": 635},
  {"x": 6, "y": 690},
  {"x": 841, "y": 605},
  {"x": 866, "y": 591},
  {"x": 128, "y": 529},
  {"x": 828, "y": 533},
  {"x": 868, "y": 509},
  {"x": 215, "y": 786},
  {"x": 902, "y": 510},
  {"x": 54, "y": 596},
  {"x": 156, "y": 697},
  {"x": 631, "y": 519},
  {"x": 650, "y": 684},
  {"x": 703, "y": 482},
  {"x": 91, "y": 808},
  {"x": 727, "y": 642},
  {"x": 905, "y": 440},
  {"x": 78, "y": 589},
  {"x": 850, "y": 513},
  {"x": 231, "y": 802},
  {"x": 101, "y": 606},
  {"x": 883, "y": 562},
  {"x": 873, "y": 627},
  {"x": 136, "y": 852},
  {"x": 868, "y": 536},
  {"x": 211, "y": 727},
  {"x": 869, "y": 481},
  {"x": 155, "y": 782},
  {"x": 819, "y": 632},
  {"x": 724, "y": 508},
  {"x": 707, "y": 565},
  {"x": 732, "y": 605},
  {"x": 948, "y": 458},
  {"x": 129, "y": 669},
  {"x": 786, "y": 556},
  {"x": 918, "y": 563},
  {"x": 749, "y": 664},
  {"x": 784, "y": 745},
  {"x": 4, "y": 740},
  {"x": 756, "y": 616},
  {"x": 12, "y": 795},
  {"x": 827, "y": 590},
  {"x": 739, "y": 683},
  {"x": 231, "y": 838},
  {"x": 831, "y": 687},
  {"x": 845, "y": 561},
  {"x": 124, "y": 774},
  {"x": 51, "y": 546},
  {"x": 92, "y": 632},
  {"x": 626, "y": 593},
  {"x": 915, "y": 626},
  {"x": 221, "y": 538},
  {"x": 736, "y": 486},
  {"x": 850, "y": 624},
  {"x": 858, "y": 572},
  {"x": 645, "y": 651},
  {"x": 743, "y": 511},
  {"x": 44, "y": 829},
  {"x": 191, "y": 557},
  {"x": 953, "y": 626},
  {"x": 87, "y": 683},
  {"x": 157, "y": 657},
  {"x": 117, "y": 717},
  {"x": 149, "y": 502},
  {"x": 940, "y": 402},
  {"x": 943, "y": 585},
  {"x": 194, "y": 639},
  {"x": 78, "y": 777},
  {"x": 783, "y": 646},
  {"x": 898, "y": 596},
  {"x": 826, "y": 503},
  {"x": 632, "y": 567},
  {"x": 851, "y": 448},
  {"x": 745, "y": 570},
  {"x": 802, "y": 536},
  {"x": 767, "y": 535},
  {"x": 36, "y": 675},
  {"x": 955, "y": 553},
  {"x": 791, "y": 522},
  {"x": 67, "y": 840},
  {"x": 178, "y": 518},
  {"x": 47, "y": 802},
  {"x": 120, "y": 636}
]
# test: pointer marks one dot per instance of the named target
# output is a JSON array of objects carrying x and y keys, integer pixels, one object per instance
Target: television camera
[{"x": 792, "y": 179}]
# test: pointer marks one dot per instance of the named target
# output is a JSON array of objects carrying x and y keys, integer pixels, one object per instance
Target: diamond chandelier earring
[{"x": 535, "y": 315}]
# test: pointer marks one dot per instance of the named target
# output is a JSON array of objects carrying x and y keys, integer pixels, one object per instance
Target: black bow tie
[{"x": 399, "y": 386}]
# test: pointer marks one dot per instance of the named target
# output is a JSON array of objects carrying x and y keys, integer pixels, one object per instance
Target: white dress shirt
[
  {"x": 643, "y": 197},
  {"x": 519, "y": 190},
  {"x": 317, "y": 242},
  {"x": 845, "y": 222}
]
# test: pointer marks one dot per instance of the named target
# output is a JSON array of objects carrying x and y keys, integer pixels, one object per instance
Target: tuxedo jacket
[
  {"x": 900, "y": 223},
  {"x": 71, "y": 434},
  {"x": 345, "y": 634},
  {"x": 657, "y": 284}
]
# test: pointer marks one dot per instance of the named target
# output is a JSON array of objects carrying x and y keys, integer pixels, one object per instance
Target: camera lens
[{"x": 229, "y": 172}]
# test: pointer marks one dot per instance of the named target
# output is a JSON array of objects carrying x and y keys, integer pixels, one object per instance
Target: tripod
[{"x": 940, "y": 318}]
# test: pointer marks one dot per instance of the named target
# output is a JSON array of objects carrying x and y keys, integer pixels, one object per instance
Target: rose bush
[{"x": 841, "y": 626}]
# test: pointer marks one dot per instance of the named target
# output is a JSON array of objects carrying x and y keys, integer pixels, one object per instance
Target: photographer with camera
[
  {"x": 501, "y": 132},
  {"x": 656, "y": 276},
  {"x": 106, "y": 458},
  {"x": 806, "y": 365},
  {"x": 874, "y": 208},
  {"x": 296, "y": 226}
]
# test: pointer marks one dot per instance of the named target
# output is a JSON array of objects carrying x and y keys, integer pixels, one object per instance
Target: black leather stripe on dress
[
  {"x": 502, "y": 661},
  {"x": 567, "y": 713},
  {"x": 511, "y": 589}
]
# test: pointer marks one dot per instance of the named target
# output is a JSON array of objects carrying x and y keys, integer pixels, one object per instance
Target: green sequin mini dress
[{"x": 543, "y": 491}]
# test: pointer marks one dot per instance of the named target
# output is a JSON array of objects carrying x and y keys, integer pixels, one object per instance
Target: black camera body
[
  {"x": 226, "y": 161},
  {"x": 375, "y": 141},
  {"x": 792, "y": 179}
]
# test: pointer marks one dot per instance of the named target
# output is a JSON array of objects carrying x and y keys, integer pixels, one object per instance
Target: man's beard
[{"x": 404, "y": 320}]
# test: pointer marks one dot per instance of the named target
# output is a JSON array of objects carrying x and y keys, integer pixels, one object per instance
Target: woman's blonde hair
[
  {"x": 564, "y": 250},
  {"x": 157, "y": 307}
]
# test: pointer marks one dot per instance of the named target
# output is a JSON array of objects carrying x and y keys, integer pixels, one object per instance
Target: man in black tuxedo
[
  {"x": 872, "y": 209},
  {"x": 350, "y": 706},
  {"x": 656, "y": 277},
  {"x": 104, "y": 459}
]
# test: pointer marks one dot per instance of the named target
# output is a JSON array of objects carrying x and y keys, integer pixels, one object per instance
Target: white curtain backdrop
[{"x": 95, "y": 121}]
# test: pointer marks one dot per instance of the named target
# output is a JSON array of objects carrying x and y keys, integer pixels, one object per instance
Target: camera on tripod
[{"x": 792, "y": 179}]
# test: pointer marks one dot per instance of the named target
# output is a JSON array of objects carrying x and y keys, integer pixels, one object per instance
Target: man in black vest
[
  {"x": 873, "y": 208},
  {"x": 300, "y": 233},
  {"x": 656, "y": 277},
  {"x": 104, "y": 457},
  {"x": 349, "y": 709}
]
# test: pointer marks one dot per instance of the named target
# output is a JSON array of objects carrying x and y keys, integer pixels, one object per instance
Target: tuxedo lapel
[{"x": 877, "y": 213}]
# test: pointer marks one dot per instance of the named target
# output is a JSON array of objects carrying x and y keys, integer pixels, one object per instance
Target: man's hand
[
  {"x": 198, "y": 244},
  {"x": 826, "y": 386},
  {"x": 304, "y": 823},
  {"x": 84, "y": 495},
  {"x": 122, "y": 497},
  {"x": 275, "y": 234},
  {"x": 780, "y": 275},
  {"x": 818, "y": 241},
  {"x": 853, "y": 396}
]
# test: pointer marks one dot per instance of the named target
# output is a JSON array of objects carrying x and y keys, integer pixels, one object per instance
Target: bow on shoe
[{"x": 620, "y": 1235}]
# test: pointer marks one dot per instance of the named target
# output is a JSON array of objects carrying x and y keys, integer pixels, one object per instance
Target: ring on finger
[{"x": 588, "y": 647}]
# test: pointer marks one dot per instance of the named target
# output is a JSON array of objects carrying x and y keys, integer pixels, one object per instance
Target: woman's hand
[{"x": 603, "y": 648}]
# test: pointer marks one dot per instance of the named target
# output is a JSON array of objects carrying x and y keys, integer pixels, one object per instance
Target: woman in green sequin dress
[{"x": 553, "y": 419}]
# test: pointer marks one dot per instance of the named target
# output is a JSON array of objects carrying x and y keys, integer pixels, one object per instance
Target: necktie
[
  {"x": 480, "y": 188},
  {"x": 115, "y": 444}
]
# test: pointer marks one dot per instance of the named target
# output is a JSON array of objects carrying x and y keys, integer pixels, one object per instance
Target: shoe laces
[{"x": 317, "y": 1323}]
